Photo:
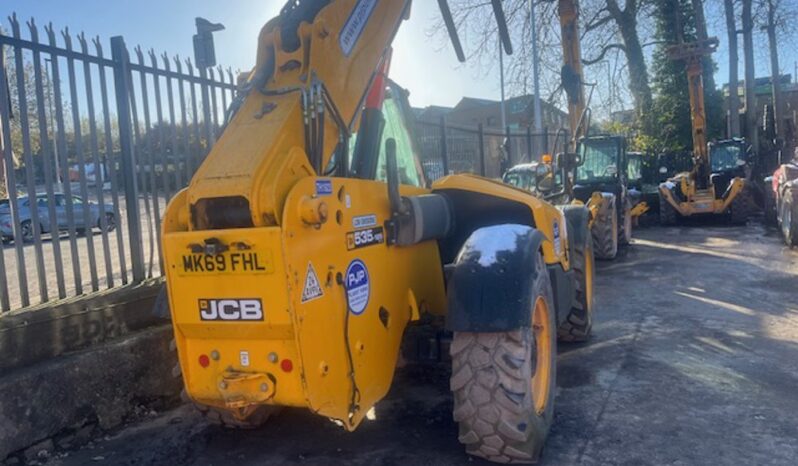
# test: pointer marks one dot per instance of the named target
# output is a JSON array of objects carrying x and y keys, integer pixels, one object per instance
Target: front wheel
[
  {"x": 504, "y": 384},
  {"x": 667, "y": 214},
  {"x": 789, "y": 228},
  {"x": 742, "y": 206},
  {"x": 579, "y": 323},
  {"x": 605, "y": 232}
]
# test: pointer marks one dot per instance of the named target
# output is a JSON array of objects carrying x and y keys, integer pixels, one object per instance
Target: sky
[
  {"x": 168, "y": 25},
  {"x": 424, "y": 65}
]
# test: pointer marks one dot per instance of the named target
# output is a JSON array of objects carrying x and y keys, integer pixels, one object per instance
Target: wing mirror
[
  {"x": 544, "y": 178},
  {"x": 568, "y": 161}
]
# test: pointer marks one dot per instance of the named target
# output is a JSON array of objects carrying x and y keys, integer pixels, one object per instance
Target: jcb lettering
[{"x": 231, "y": 309}]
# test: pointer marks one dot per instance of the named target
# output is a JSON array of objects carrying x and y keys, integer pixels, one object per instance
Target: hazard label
[{"x": 312, "y": 288}]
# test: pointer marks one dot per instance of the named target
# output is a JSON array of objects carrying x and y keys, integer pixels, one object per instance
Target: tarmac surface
[{"x": 694, "y": 360}]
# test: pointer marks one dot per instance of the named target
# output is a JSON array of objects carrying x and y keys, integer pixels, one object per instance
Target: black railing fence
[
  {"x": 489, "y": 152},
  {"x": 93, "y": 148}
]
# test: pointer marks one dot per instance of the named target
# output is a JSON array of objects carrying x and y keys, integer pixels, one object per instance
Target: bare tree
[
  {"x": 778, "y": 105},
  {"x": 748, "y": 53},
  {"x": 610, "y": 32},
  {"x": 625, "y": 21},
  {"x": 734, "y": 97}
]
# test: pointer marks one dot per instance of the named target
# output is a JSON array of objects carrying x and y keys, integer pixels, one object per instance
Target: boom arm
[
  {"x": 315, "y": 64},
  {"x": 572, "y": 75},
  {"x": 693, "y": 53}
]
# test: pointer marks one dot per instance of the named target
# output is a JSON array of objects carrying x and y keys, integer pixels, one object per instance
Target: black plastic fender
[{"x": 489, "y": 289}]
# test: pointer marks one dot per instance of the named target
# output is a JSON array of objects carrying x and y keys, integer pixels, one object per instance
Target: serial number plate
[{"x": 237, "y": 262}]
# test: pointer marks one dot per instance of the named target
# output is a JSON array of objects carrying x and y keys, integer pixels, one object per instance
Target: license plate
[
  {"x": 702, "y": 206},
  {"x": 247, "y": 262}
]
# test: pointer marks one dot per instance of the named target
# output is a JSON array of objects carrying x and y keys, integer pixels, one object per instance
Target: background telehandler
[
  {"x": 294, "y": 265},
  {"x": 592, "y": 169},
  {"x": 717, "y": 182}
]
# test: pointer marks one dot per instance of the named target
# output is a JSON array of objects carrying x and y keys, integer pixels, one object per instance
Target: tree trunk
[
  {"x": 626, "y": 20},
  {"x": 752, "y": 132},
  {"x": 778, "y": 105},
  {"x": 734, "y": 62}
]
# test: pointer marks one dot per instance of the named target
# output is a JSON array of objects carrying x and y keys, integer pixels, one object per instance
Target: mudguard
[{"x": 489, "y": 287}]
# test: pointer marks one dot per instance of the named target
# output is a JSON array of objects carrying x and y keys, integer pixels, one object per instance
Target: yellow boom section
[{"x": 317, "y": 83}]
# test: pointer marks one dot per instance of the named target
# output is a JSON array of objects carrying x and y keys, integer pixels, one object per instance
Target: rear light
[
  {"x": 204, "y": 361},
  {"x": 286, "y": 365}
]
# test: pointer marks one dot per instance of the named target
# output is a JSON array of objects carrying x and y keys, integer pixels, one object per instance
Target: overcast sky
[{"x": 427, "y": 67}]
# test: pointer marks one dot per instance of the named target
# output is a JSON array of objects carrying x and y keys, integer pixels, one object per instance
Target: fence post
[
  {"x": 444, "y": 148},
  {"x": 546, "y": 139},
  {"x": 507, "y": 162},
  {"x": 482, "y": 170},
  {"x": 123, "y": 87},
  {"x": 529, "y": 143}
]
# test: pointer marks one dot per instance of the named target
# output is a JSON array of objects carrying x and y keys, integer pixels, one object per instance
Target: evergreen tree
[{"x": 669, "y": 126}]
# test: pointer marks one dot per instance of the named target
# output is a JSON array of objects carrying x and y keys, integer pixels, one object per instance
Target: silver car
[{"x": 96, "y": 213}]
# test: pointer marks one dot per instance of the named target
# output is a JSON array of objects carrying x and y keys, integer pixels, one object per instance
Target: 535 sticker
[{"x": 362, "y": 238}]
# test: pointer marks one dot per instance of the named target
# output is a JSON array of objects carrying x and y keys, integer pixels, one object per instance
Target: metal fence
[
  {"x": 449, "y": 149},
  {"x": 93, "y": 148}
]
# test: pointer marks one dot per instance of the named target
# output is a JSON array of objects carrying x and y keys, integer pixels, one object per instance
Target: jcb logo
[{"x": 231, "y": 309}]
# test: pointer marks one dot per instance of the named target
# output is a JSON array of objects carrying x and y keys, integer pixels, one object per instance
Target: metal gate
[{"x": 92, "y": 149}]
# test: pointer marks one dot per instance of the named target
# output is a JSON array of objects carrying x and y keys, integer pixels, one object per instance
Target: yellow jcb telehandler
[{"x": 294, "y": 266}]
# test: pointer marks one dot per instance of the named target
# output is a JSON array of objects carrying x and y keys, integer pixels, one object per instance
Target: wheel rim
[
  {"x": 541, "y": 360},
  {"x": 27, "y": 231},
  {"x": 786, "y": 220},
  {"x": 110, "y": 222}
]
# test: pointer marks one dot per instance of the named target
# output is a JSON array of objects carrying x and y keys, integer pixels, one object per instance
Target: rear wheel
[
  {"x": 504, "y": 384},
  {"x": 667, "y": 214},
  {"x": 742, "y": 206},
  {"x": 579, "y": 323},
  {"x": 789, "y": 228},
  {"x": 110, "y": 223},
  {"x": 27, "y": 231},
  {"x": 245, "y": 418},
  {"x": 605, "y": 233}
]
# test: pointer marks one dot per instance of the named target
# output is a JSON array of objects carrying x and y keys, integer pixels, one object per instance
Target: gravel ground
[{"x": 694, "y": 360}]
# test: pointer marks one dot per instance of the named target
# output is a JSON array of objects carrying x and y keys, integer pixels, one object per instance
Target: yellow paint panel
[{"x": 332, "y": 336}]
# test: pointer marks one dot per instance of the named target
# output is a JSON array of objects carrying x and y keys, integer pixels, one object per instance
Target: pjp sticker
[{"x": 358, "y": 288}]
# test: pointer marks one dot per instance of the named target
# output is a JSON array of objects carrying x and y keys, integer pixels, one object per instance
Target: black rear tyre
[
  {"x": 605, "y": 232},
  {"x": 742, "y": 206},
  {"x": 579, "y": 323},
  {"x": 504, "y": 384},
  {"x": 667, "y": 214}
]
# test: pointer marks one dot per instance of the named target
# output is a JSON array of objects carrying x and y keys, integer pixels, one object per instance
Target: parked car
[
  {"x": 96, "y": 213},
  {"x": 781, "y": 201}
]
